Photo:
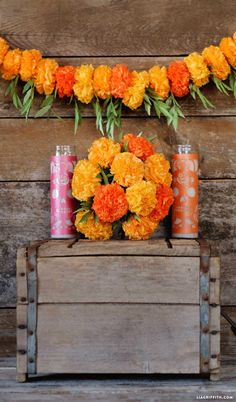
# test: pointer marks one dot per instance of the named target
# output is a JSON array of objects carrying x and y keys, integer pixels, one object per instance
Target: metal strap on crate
[
  {"x": 32, "y": 287},
  {"x": 204, "y": 288}
]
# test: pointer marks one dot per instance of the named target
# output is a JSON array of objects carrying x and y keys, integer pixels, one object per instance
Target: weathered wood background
[{"x": 140, "y": 34}]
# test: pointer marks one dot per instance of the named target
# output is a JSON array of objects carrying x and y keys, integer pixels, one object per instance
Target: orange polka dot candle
[{"x": 185, "y": 190}]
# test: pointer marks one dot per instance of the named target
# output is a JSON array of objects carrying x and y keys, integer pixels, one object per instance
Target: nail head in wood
[
  {"x": 22, "y": 351},
  {"x": 23, "y": 299},
  {"x": 22, "y": 326}
]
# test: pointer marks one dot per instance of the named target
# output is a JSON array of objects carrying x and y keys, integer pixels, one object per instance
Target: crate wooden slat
[{"x": 118, "y": 307}]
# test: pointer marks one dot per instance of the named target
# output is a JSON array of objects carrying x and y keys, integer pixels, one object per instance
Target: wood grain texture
[
  {"x": 21, "y": 341},
  {"x": 117, "y": 338},
  {"x": 136, "y": 27},
  {"x": 118, "y": 279},
  {"x": 7, "y": 332},
  {"x": 228, "y": 339},
  {"x": 20, "y": 159},
  {"x": 29, "y": 220}
]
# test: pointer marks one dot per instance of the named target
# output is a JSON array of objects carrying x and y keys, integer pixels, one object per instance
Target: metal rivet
[
  {"x": 213, "y": 332},
  {"x": 22, "y": 274},
  {"x": 22, "y": 352},
  {"x": 31, "y": 300},
  {"x": 31, "y": 269},
  {"x": 205, "y": 297},
  {"x": 213, "y": 356},
  {"x": 213, "y": 305},
  {"x": 31, "y": 360},
  {"x": 205, "y": 363},
  {"x": 212, "y": 279},
  {"x": 23, "y": 299},
  {"x": 205, "y": 330},
  {"x": 21, "y": 326},
  {"x": 30, "y": 333}
]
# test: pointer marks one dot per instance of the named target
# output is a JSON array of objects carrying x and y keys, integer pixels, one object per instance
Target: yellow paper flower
[
  {"x": 83, "y": 87},
  {"x": 103, "y": 151},
  {"x": 127, "y": 169},
  {"x": 102, "y": 81},
  {"x": 141, "y": 197},
  {"x": 29, "y": 63},
  {"x": 3, "y": 49},
  {"x": 133, "y": 96},
  {"x": 45, "y": 78},
  {"x": 199, "y": 72},
  {"x": 215, "y": 59},
  {"x": 228, "y": 47},
  {"x": 11, "y": 64},
  {"x": 85, "y": 180},
  {"x": 140, "y": 229},
  {"x": 92, "y": 230},
  {"x": 159, "y": 81},
  {"x": 156, "y": 169}
]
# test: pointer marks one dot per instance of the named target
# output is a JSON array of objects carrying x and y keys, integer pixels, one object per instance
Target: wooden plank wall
[{"x": 139, "y": 33}]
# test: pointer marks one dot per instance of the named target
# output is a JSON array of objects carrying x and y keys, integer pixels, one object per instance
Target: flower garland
[
  {"x": 122, "y": 188},
  {"x": 108, "y": 89}
]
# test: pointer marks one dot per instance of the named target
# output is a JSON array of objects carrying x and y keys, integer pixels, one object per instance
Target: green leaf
[
  {"x": 152, "y": 137},
  {"x": 78, "y": 117},
  {"x": 27, "y": 86},
  {"x": 85, "y": 217},
  {"x": 136, "y": 217},
  {"x": 126, "y": 146},
  {"x": 96, "y": 219},
  {"x": 41, "y": 112}
]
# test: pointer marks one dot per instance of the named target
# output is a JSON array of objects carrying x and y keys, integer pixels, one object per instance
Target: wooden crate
[{"x": 118, "y": 307}]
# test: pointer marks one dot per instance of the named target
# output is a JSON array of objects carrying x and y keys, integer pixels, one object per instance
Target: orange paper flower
[
  {"x": 156, "y": 169},
  {"x": 228, "y": 48},
  {"x": 216, "y": 61},
  {"x": 133, "y": 96},
  {"x": 102, "y": 82},
  {"x": 110, "y": 203},
  {"x": 11, "y": 64},
  {"x": 120, "y": 80},
  {"x": 83, "y": 87},
  {"x": 103, "y": 151},
  {"x": 178, "y": 75},
  {"x": 46, "y": 76},
  {"x": 85, "y": 180},
  {"x": 140, "y": 229},
  {"x": 3, "y": 49},
  {"x": 159, "y": 81},
  {"x": 198, "y": 70},
  {"x": 127, "y": 169},
  {"x": 29, "y": 64},
  {"x": 164, "y": 200},
  {"x": 65, "y": 79},
  {"x": 91, "y": 229},
  {"x": 141, "y": 197},
  {"x": 139, "y": 146}
]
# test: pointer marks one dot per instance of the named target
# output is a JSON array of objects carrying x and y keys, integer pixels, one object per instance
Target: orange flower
[
  {"x": 215, "y": 59},
  {"x": 178, "y": 75},
  {"x": 164, "y": 199},
  {"x": 198, "y": 70},
  {"x": 46, "y": 76},
  {"x": 120, "y": 80},
  {"x": 110, "y": 203},
  {"x": 159, "y": 81},
  {"x": 91, "y": 229},
  {"x": 65, "y": 79},
  {"x": 141, "y": 197},
  {"x": 156, "y": 169},
  {"x": 228, "y": 48},
  {"x": 3, "y": 49},
  {"x": 134, "y": 94},
  {"x": 83, "y": 87},
  {"x": 140, "y": 229},
  {"x": 127, "y": 169},
  {"x": 11, "y": 64},
  {"x": 102, "y": 81},
  {"x": 29, "y": 63},
  {"x": 85, "y": 180},
  {"x": 103, "y": 151},
  {"x": 139, "y": 146}
]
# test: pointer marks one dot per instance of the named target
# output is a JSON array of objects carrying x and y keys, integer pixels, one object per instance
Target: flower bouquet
[{"x": 122, "y": 187}]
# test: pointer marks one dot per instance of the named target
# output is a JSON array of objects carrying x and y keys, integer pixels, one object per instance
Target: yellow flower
[
  {"x": 198, "y": 70},
  {"x": 103, "y": 151},
  {"x": 141, "y": 197},
  {"x": 156, "y": 169},
  {"x": 85, "y": 180},
  {"x": 215, "y": 59},
  {"x": 102, "y": 81},
  {"x": 29, "y": 63},
  {"x": 92, "y": 230},
  {"x": 45, "y": 77},
  {"x": 83, "y": 87},
  {"x": 140, "y": 229},
  {"x": 159, "y": 81},
  {"x": 228, "y": 47},
  {"x": 133, "y": 96},
  {"x": 127, "y": 169},
  {"x": 11, "y": 64},
  {"x": 3, "y": 49}
]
